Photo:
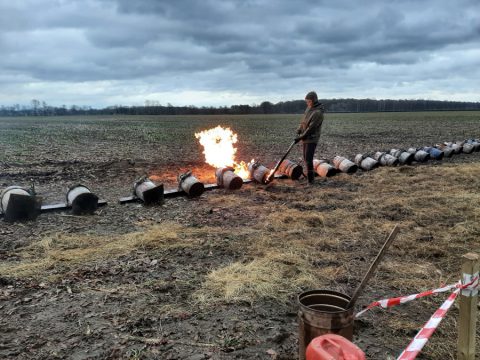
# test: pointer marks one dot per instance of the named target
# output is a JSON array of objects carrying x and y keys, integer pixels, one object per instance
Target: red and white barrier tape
[
  {"x": 469, "y": 287},
  {"x": 472, "y": 285},
  {"x": 422, "y": 337}
]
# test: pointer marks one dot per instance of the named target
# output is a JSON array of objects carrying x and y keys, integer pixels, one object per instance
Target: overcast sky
[{"x": 225, "y": 52}]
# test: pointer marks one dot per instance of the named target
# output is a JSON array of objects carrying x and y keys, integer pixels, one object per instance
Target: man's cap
[{"x": 312, "y": 95}]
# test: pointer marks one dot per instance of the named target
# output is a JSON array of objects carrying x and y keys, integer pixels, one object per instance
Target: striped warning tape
[
  {"x": 468, "y": 286},
  {"x": 422, "y": 337},
  {"x": 471, "y": 286}
]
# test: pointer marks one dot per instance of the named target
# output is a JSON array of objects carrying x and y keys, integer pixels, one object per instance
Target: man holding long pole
[{"x": 309, "y": 131}]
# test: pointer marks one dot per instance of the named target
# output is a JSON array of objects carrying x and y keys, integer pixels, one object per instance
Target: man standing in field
[{"x": 309, "y": 131}]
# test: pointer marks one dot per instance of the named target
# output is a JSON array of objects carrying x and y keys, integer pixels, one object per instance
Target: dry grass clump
[
  {"x": 329, "y": 234},
  {"x": 69, "y": 249},
  {"x": 409, "y": 276},
  {"x": 284, "y": 219},
  {"x": 275, "y": 277},
  {"x": 228, "y": 200}
]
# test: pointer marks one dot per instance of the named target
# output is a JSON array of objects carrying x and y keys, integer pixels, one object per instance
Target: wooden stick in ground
[
  {"x": 468, "y": 309},
  {"x": 373, "y": 267}
]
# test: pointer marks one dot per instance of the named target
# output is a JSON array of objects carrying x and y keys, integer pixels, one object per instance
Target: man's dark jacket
[{"x": 309, "y": 129}]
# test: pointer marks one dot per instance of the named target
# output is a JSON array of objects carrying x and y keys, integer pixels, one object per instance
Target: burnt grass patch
[{"x": 217, "y": 277}]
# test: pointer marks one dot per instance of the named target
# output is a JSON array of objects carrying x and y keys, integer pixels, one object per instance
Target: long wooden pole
[
  {"x": 373, "y": 266},
  {"x": 272, "y": 173},
  {"x": 467, "y": 325}
]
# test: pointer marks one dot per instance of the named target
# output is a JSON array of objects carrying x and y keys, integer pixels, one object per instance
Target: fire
[
  {"x": 218, "y": 147},
  {"x": 242, "y": 169}
]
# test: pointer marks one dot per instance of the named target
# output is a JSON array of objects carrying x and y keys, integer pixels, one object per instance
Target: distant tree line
[{"x": 37, "y": 108}]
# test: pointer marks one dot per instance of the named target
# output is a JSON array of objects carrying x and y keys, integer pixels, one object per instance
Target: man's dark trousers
[{"x": 308, "y": 152}]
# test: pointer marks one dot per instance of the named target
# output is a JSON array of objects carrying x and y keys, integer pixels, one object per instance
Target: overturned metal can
[
  {"x": 291, "y": 169},
  {"x": 467, "y": 147},
  {"x": 148, "y": 192},
  {"x": 476, "y": 143},
  {"x": 344, "y": 165},
  {"x": 258, "y": 172},
  {"x": 19, "y": 204},
  {"x": 190, "y": 184},
  {"x": 323, "y": 168},
  {"x": 365, "y": 162},
  {"x": 81, "y": 199},
  {"x": 385, "y": 159},
  {"x": 447, "y": 150},
  {"x": 404, "y": 157},
  {"x": 419, "y": 155},
  {"x": 457, "y": 149},
  {"x": 226, "y": 178},
  {"x": 434, "y": 153}
]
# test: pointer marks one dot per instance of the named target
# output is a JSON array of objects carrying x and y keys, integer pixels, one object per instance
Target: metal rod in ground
[
  {"x": 64, "y": 206},
  {"x": 373, "y": 267},
  {"x": 467, "y": 324},
  {"x": 270, "y": 176},
  {"x": 173, "y": 193}
]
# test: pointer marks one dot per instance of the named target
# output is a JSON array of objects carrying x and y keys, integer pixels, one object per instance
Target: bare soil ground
[{"x": 217, "y": 277}]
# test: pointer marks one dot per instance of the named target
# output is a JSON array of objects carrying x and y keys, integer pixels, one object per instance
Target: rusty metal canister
[
  {"x": 8, "y": 192},
  {"x": 148, "y": 192},
  {"x": 344, "y": 165},
  {"x": 323, "y": 168},
  {"x": 258, "y": 172},
  {"x": 467, "y": 147},
  {"x": 82, "y": 200},
  {"x": 447, "y": 150},
  {"x": 18, "y": 203},
  {"x": 323, "y": 312},
  {"x": 435, "y": 153},
  {"x": 227, "y": 178},
  {"x": 365, "y": 162},
  {"x": 385, "y": 159},
  {"x": 419, "y": 155},
  {"x": 404, "y": 157},
  {"x": 476, "y": 142},
  {"x": 457, "y": 149},
  {"x": 291, "y": 169},
  {"x": 190, "y": 184}
]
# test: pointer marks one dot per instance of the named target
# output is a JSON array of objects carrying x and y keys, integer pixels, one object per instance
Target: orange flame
[
  {"x": 219, "y": 150},
  {"x": 242, "y": 169}
]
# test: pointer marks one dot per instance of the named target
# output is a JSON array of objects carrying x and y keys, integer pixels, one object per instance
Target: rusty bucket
[
  {"x": 291, "y": 169},
  {"x": 226, "y": 178},
  {"x": 385, "y": 159},
  {"x": 344, "y": 165},
  {"x": 323, "y": 312},
  {"x": 258, "y": 172},
  {"x": 323, "y": 168},
  {"x": 365, "y": 162},
  {"x": 190, "y": 184}
]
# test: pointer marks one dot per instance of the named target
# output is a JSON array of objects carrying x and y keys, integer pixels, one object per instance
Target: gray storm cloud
[{"x": 254, "y": 48}]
